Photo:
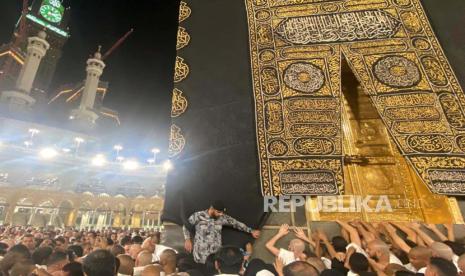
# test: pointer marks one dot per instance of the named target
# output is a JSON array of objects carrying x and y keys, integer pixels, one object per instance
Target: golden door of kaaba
[{"x": 374, "y": 167}]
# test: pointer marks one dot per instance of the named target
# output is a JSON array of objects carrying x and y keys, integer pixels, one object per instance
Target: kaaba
[{"x": 318, "y": 98}]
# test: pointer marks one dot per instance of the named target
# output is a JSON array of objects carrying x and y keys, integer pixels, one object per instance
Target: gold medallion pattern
[
  {"x": 184, "y": 11},
  {"x": 177, "y": 141},
  {"x": 304, "y": 77},
  {"x": 183, "y": 38},
  {"x": 397, "y": 71},
  {"x": 179, "y": 103},
  {"x": 296, "y": 48},
  {"x": 181, "y": 70},
  {"x": 278, "y": 148}
]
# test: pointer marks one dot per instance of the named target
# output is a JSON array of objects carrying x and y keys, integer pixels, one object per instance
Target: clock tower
[{"x": 47, "y": 15}]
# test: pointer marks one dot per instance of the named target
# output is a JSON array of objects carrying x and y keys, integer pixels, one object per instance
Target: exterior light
[
  {"x": 151, "y": 161},
  {"x": 120, "y": 158},
  {"x": 99, "y": 160},
  {"x": 118, "y": 148},
  {"x": 155, "y": 151},
  {"x": 167, "y": 166},
  {"x": 78, "y": 141},
  {"x": 131, "y": 165},
  {"x": 33, "y": 131},
  {"x": 48, "y": 153}
]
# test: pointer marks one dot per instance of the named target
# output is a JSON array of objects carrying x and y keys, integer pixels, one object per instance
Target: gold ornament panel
[
  {"x": 179, "y": 103},
  {"x": 184, "y": 11},
  {"x": 296, "y": 48},
  {"x": 183, "y": 38},
  {"x": 177, "y": 141},
  {"x": 181, "y": 70},
  {"x": 297, "y": 92},
  {"x": 445, "y": 173}
]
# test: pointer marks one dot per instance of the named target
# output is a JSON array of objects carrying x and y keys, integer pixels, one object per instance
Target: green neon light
[
  {"x": 47, "y": 25},
  {"x": 51, "y": 14},
  {"x": 52, "y": 10}
]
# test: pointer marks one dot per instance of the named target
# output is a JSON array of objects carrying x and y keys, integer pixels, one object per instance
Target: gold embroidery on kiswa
[
  {"x": 181, "y": 70},
  {"x": 177, "y": 141},
  {"x": 296, "y": 48},
  {"x": 183, "y": 38},
  {"x": 338, "y": 27},
  {"x": 184, "y": 11},
  {"x": 447, "y": 176},
  {"x": 179, "y": 103}
]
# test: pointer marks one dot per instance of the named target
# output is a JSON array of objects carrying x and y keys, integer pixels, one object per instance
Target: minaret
[
  {"x": 86, "y": 113},
  {"x": 20, "y": 96}
]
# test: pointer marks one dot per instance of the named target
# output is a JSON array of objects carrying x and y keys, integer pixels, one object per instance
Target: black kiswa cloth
[
  {"x": 446, "y": 17},
  {"x": 219, "y": 160}
]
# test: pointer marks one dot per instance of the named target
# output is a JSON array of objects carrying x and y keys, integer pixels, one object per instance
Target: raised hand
[
  {"x": 299, "y": 233},
  {"x": 415, "y": 225},
  {"x": 321, "y": 235},
  {"x": 283, "y": 230}
]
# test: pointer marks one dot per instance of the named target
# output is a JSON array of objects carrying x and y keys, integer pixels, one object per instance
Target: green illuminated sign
[
  {"x": 47, "y": 25},
  {"x": 52, "y": 10}
]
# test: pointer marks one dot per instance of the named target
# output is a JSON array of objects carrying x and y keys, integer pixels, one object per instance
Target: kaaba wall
[
  {"x": 218, "y": 159},
  {"x": 214, "y": 144}
]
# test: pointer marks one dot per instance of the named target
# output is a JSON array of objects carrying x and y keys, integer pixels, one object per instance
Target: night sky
[{"x": 140, "y": 72}]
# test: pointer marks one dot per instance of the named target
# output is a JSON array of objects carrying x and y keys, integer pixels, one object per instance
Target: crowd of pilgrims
[{"x": 361, "y": 249}]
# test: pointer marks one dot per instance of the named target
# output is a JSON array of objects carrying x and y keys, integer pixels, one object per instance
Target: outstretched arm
[
  {"x": 270, "y": 245},
  {"x": 366, "y": 235},
  {"x": 436, "y": 231},
  {"x": 450, "y": 231},
  {"x": 417, "y": 228},
  {"x": 377, "y": 267},
  {"x": 230, "y": 221},
  {"x": 395, "y": 238},
  {"x": 299, "y": 233},
  {"x": 353, "y": 234},
  {"x": 316, "y": 239},
  {"x": 349, "y": 253},
  {"x": 371, "y": 228},
  {"x": 332, "y": 252},
  {"x": 411, "y": 235}
]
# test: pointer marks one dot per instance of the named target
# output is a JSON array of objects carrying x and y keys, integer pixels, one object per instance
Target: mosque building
[{"x": 54, "y": 170}]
